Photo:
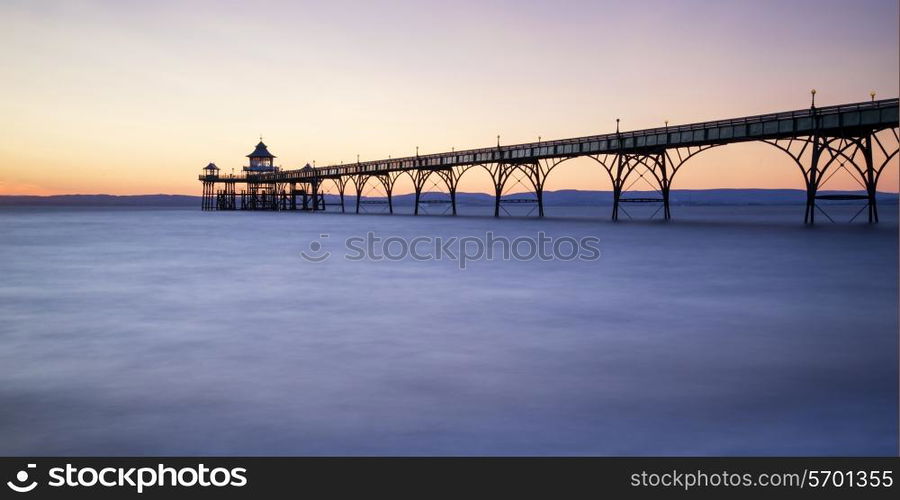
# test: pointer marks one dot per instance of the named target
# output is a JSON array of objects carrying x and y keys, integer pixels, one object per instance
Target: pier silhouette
[{"x": 820, "y": 141}]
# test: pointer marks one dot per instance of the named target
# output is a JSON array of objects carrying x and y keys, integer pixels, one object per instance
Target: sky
[{"x": 135, "y": 97}]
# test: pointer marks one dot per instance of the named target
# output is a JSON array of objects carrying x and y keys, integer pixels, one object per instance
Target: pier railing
[{"x": 826, "y": 119}]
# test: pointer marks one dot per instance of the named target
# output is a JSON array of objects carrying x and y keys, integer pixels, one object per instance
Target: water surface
[{"x": 730, "y": 331}]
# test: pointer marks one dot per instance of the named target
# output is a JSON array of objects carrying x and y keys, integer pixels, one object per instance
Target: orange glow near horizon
[{"x": 133, "y": 98}]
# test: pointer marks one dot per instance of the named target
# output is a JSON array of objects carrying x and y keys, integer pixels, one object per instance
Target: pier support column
[
  {"x": 888, "y": 142},
  {"x": 341, "y": 184},
  {"x": 538, "y": 182},
  {"x": 451, "y": 180},
  {"x": 451, "y": 176},
  {"x": 208, "y": 198},
  {"x": 664, "y": 183},
  {"x": 812, "y": 182},
  {"x": 870, "y": 179},
  {"x": 418, "y": 178},
  {"x": 388, "y": 191},
  {"x": 535, "y": 174},
  {"x": 617, "y": 193},
  {"x": 387, "y": 182},
  {"x": 314, "y": 188},
  {"x": 499, "y": 174},
  {"x": 540, "y": 200},
  {"x": 232, "y": 204},
  {"x": 618, "y": 181},
  {"x": 359, "y": 183}
]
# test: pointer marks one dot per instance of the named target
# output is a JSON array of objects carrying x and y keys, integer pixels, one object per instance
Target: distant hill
[
  {"x": 103, "y": 200},
  {"x": 567, "y": 197}
]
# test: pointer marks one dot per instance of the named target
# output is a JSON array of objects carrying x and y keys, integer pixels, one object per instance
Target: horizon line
[{"x": 800, "y": 189}]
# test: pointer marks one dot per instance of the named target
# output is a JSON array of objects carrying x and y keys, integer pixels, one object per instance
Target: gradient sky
[{"x": 132, "y": 97}]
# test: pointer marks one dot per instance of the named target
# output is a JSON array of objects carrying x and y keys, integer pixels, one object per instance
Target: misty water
[{"x": 731, "y": 330}]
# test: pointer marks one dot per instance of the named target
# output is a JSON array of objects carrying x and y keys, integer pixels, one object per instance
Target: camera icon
[
  {"x": 19, "y": 485},
  {"x": 315, "y": 253}
]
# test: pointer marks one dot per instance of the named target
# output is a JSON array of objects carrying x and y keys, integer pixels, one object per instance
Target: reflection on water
[{"x": 181, "y": 332}]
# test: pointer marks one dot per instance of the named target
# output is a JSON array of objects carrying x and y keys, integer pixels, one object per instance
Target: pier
[{"x": 820, "y": 141}]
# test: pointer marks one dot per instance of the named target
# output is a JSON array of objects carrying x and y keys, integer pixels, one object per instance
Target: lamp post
[
  {"x": 617, "y": 125},
  {"x": 498, "y": 140},
  {"x": 813, "y": 94},
  {"x": 872, "y": 95}
]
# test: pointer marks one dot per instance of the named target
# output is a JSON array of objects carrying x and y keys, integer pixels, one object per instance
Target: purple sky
[{"x": 104, "y": 92}]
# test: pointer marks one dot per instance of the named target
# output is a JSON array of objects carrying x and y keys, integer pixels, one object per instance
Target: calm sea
[{"x": 731, "y": 331}]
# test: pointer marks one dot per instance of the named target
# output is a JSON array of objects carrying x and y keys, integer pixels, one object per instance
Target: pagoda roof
[{"x": 261, "y": 151}]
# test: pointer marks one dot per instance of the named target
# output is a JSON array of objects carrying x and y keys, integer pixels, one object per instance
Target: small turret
[{"x": 211, "y": 171}]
